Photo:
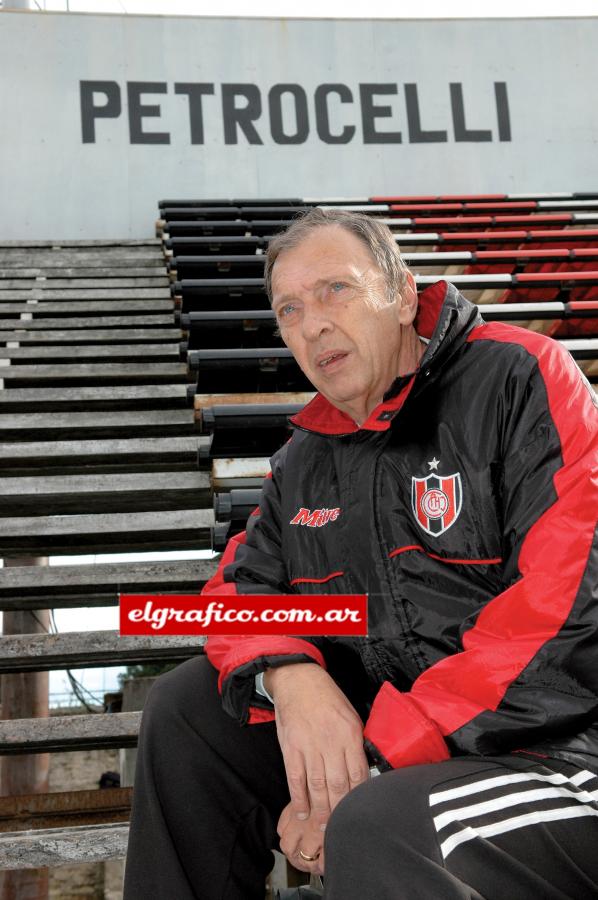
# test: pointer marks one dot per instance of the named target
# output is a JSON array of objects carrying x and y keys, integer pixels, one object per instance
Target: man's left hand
[{"x": 306, "y": 835}]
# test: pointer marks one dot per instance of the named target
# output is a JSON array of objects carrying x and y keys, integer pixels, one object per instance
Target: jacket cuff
[
  {"x": 256, "y": 653},
  {"x": 237, "y": 676},
  {"x": 399, "y": 734},
  {"x": 257, "y": 715}
]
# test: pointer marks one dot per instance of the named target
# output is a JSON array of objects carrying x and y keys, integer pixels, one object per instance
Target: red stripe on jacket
[
  {"x": 230, "y": 652},
  {"x": 407, "y": 728}
]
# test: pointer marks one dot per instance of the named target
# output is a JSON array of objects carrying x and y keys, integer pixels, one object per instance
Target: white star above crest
[{"x": 434, "y": 463}]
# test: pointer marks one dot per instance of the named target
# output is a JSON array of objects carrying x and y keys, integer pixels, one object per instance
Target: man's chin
[{"x": 343, "y": 400}]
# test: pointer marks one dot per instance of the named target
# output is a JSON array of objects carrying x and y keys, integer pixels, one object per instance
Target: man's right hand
[{"x": 321, "y": 738}]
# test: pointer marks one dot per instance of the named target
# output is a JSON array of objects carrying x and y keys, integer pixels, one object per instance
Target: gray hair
[{"x": 376, "y": 236}]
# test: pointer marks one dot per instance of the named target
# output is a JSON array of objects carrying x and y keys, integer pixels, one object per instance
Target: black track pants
[{"x": 208, "y": 795}]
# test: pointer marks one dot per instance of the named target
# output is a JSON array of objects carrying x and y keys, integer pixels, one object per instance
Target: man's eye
[
  {"x": 286, "y": 311},
  {"x": 337, "y": 286}
]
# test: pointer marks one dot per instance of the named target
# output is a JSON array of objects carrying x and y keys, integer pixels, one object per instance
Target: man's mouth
[{"x": 325, "y": 362}]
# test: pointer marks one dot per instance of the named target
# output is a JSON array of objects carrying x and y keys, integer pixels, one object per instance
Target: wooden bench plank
[
  {"x": 77, "y": 294},
  {"x": 102, "y": 372},
  {"x": 104, "y": 262},
  {"x": 80, "y": 256},
  {"x": 239, "y": 472},
  {"x": 133, "y": 397},
  {"x": 43, "y": 283},
  {"x": 81, "y": 307},
  {"x": 40, "y": 587},
  {"x": 58, "y": 248},
  {"x": 65, "y": 809},
  {"x": 44, "y": 652},
  {"x": 97, "y": 424},
  {"x": 140, "y": 451},
  {"x": 182, "y": 529},
  {"x": 82, "y": 323},
  {"x": 76, "y": 732},
  {"x": 62, "y": 846},
  {"x": 202, "y": 400},
  {"x": 100, "y": 243},
  {"x": 82, "y": 351},
  {"x": 80, "y": 272},
  {"x": 70, "y": 335},
  {"x": 115, "y": 492}
]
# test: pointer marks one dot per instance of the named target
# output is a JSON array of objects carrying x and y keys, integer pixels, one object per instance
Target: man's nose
[{"x": 315, "y": 322}]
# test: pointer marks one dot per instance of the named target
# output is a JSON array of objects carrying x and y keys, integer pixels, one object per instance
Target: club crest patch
[{"x": 436, "y": 501}]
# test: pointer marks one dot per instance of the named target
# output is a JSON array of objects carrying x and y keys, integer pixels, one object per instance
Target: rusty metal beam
[{"x": 65, "y": 809}]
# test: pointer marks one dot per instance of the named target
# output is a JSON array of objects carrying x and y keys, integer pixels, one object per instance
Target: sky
[
  {"x": 387, "y": 9},
  {"x": 99, "y": 679},
  {"x": 97, "y": 619},
  {"x": 103, "y": 679}
]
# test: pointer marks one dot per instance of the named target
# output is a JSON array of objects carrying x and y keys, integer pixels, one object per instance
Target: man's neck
[{"x": 412, "y": 351}]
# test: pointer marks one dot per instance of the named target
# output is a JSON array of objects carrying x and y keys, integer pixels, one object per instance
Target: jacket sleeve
[
  {"x": 528, "y": 667},
  {"x": 252, "y": 563}
]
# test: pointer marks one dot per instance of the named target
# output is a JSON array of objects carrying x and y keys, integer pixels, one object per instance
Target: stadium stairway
[
  {"x": 144, "y": 385},
  {"x": 99, "y": 449}
]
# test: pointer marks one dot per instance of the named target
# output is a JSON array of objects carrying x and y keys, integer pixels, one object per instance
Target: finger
[
  {"x": 284, "y": 819},
  {"x": 357, "y": 766},
  {"x": 319, "y": 864},
  {"x": 313, "y": 852},
  {"x": 317, "y": 787},
  {"x": 297, "y": 863},
  {"x": 293, "y": 842},
  {"x": 297, "y": 782},
  {"x": 337, "y": 779}
]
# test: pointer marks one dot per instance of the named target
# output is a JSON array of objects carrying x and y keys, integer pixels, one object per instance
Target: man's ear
[{"x": 408, "y": 307}]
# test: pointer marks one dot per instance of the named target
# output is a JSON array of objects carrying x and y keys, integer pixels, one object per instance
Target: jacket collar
[{"x": 444, "y": 318}]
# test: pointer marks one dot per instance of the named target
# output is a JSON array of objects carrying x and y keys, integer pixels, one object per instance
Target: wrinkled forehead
[{"x": 331, "y": 252}]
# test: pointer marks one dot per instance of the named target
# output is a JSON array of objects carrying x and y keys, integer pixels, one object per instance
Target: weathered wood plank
[
  {"x": 39, "y": 587},
  {"x": 76, "y": 649},
  {"x": 102, "y": 371},
  {"x": 101, "y": 243},
  {"x": 65, "y": 809},
  {"x": 202, "y": 400},
  {"x": 84, "y": 273},
  {"x": 77, "y": 732},
  {"x": 62, "y": 846},
  {"x": 186, "y": 529},
  {"x": 99, "y": 250},
  {"x": 182, "y": 449},
  {"x": 77, "y": 335},
  {"x": 75, "y": 295},
  {"x": 82, "y": 323},
  {"x": 115, "y": 492},
  {"x": 81, "y": 351},
  {"x": 43, "y": 283},
  {"x": 240, "y": 472},
  {"x": 105, "y": 261},
  {"x": 97, "y": 424},
  {"x": 133, "y": 397},
  {"x": 72, "y": 308}
]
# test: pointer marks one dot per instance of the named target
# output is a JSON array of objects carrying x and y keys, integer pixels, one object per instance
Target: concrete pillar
[{"x": 25, "y": 696}]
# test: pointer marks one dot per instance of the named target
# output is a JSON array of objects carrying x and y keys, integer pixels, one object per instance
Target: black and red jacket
[{"x": 466, "y": 509}]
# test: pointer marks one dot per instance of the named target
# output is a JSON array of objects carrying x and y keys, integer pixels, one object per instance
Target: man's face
[{"x": 331, "y": 303}]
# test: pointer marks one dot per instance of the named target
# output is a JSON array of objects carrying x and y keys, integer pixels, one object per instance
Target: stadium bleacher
[
  {"x": 145, "y": 388},
  {"x": 527, "y": 259}
]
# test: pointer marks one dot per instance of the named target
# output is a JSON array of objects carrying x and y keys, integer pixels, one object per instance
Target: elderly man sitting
[{"x": 458, "y": 457}]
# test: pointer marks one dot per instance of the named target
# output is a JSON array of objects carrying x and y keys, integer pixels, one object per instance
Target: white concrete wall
[{"x": 56, "y": 181}]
